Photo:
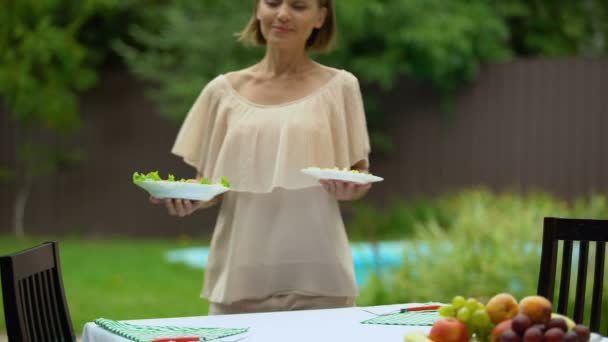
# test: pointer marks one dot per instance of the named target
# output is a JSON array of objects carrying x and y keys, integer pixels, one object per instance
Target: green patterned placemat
[
  {"x": 406, "y": 318},
  {"x": 145, "y": 333}
]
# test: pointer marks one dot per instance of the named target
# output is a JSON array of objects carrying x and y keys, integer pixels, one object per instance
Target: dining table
[{"x": 342, "y": 324}]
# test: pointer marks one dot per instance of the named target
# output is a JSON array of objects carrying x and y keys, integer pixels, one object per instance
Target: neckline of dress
[{"x": 242, "y": 98}]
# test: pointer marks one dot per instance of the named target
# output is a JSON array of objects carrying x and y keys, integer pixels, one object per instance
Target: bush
[
  {"x": 488, "y": 243},
  {"x": 398, "y": 221}
]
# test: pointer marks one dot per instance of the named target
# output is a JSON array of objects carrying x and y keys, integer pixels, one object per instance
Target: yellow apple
[
  {"x": 537, "y": 308},
  {"x": 502, "y": 307}
]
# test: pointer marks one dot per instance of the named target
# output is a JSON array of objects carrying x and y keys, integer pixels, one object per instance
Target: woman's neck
[{"x": 282, "y": 62}]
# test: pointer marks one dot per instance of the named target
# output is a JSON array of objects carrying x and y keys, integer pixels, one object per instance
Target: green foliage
[
  {"x": 379, "y": 41},
  {"x": 189, "y": 42},
  {"x": 194, "y": 42},
  {"x": 398, "y": 221},
  {"x": 43, "y": 67},
  {"x": 557, "y": 28},
  {"x": 480, "y": 244},
  {"x": 435, "y": 40}
]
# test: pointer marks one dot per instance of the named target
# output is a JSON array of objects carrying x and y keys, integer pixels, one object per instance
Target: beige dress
[{"x": 278, "y": 230}]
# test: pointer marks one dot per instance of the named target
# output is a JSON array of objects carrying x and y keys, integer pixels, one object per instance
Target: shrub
[{"x": 482, "y": 244}]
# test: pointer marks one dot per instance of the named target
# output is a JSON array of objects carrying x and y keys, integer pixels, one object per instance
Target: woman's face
[{"x": 289, "y": 23}]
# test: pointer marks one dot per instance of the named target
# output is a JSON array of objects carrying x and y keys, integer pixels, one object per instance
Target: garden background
[{"x": 485, "y": 116}]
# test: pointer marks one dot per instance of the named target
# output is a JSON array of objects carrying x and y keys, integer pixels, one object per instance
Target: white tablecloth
[
  {"x": 307, "y": 325},
  {"x": 334, "y": 325}
]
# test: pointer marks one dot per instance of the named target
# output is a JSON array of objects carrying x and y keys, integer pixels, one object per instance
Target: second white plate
[{"x": 348, "y": 176}]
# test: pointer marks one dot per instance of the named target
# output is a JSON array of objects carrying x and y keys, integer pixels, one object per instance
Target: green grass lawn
[{"x": 121, "y": 279}]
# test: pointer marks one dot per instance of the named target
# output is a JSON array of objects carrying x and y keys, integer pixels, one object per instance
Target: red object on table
[
  {"x": 178, "y": 339},
  {"x": 421, "y": 308}
]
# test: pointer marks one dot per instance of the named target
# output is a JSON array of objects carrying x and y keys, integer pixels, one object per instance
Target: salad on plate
[
  {"x": 199, "y": 190},
  {"x": 345, "y": 174}
]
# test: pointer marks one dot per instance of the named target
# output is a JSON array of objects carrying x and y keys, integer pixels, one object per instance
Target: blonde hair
[{"x": 321, "y": 39}]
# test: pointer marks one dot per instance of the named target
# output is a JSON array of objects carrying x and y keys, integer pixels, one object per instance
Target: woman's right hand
[{"x": 183, "y": 207}]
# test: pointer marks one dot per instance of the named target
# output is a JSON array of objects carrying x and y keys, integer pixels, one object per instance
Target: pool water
[{"x": 381, "y": 258}]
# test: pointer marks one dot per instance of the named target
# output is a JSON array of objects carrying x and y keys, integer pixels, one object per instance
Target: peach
[
  {"x": 537, "y": 308},
  {"x": 449, "y": 330},
  {"x": 499, "y": 329},
  {"x": 502, "y": 307}
]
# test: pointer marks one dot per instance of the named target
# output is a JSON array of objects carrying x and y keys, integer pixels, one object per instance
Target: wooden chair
[
  {"x": 569, "y": 230},
  {"x": 35, "y": 308}
]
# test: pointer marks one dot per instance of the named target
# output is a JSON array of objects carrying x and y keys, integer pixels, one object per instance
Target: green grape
[
  {"x": 481, "y": 306},
  {"x": 471, "y": 304},
  {"x": 483, "y": 334},
  {"x": 447, "y": 311},
  {"x": 458, "y": 302},
  {"x": 480, "y": 318},
  {"x": 463, "y": 314}
]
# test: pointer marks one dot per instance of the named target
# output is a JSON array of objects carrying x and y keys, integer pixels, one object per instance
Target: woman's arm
[
  {"x": 183, "y": 207},
  {"x": 348, "y": 191}
]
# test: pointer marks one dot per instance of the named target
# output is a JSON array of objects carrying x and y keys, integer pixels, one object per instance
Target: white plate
[
  {"x": 356, "y": 177},
  {"x": 191, "y": 191}
]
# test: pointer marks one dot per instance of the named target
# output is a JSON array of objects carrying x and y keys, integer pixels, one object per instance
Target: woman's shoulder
[
  {"x": 345, "y": 76},
  {"x": 238, "y": 77},
  {"x": 341, "y": 78}
]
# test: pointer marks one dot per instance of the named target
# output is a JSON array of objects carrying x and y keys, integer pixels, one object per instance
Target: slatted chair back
[
  {"x": 583, "y": 232},
  {"x": 35, "y": 307}
]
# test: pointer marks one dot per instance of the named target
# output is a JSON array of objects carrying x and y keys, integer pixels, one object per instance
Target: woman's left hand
[{"x": 345, "y": 191}]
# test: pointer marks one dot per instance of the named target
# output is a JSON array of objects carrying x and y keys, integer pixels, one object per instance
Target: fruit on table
[
  {"x": 569, "y": 322},
  {"x": 538, "y": 308},
  {"x": 559, "y": 323},
  {"x": 472, "y": 313},
  {"x": 571, "y": 336},
  {"x": 554, "y": 335},
  {"x": 582, "y": 332},
  {"x": 502, "y": 307},
  {"x": 449, "y": 330},
  {"x": 499, "y": 329},
  {"x": 533, "y": 334},
  {"x": 417, "y": 336},
  {"x": 520, "y": 324},
  {"x": 530, "y": 320},
  {"x": 554, "y": 331},
  {"x": 509, "y": 336}
]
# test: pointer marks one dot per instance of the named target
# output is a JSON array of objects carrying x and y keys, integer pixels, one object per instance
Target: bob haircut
[{"x": 321, "y": 40}]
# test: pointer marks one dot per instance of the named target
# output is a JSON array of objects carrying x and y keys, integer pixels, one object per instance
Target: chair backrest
[
  {"x": 568, "y": 231},
  {"x": 35, "y": 308}
]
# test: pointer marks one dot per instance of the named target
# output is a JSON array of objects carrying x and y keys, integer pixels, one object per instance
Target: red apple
[
  {"x": 500, "y": 329},
  {"x": 449, "y": 330}
]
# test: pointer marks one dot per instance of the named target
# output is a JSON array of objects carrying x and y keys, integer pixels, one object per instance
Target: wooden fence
[{"x": 527, "y": 124}]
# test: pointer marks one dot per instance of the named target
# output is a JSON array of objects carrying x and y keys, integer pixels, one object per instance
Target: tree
[
  {"x": 42, "y": 68},
  {"x": 556, "y": 28},
  {"x": 380, "y": 41}
]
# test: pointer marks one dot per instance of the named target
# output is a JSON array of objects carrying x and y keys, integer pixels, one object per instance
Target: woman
[{"x": 279, "y": 241}]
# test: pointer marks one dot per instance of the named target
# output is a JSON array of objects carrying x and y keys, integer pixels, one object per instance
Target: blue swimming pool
[{"x": 381, "y": 258}]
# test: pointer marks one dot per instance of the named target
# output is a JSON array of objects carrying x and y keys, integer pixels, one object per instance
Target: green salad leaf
[
  {"x": 140, "y": 177},
  {"x": 154, "y": 176}
]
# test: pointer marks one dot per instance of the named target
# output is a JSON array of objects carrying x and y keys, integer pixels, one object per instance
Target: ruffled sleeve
[
  {"x": 356, "y": 126},
  {"x": 262, "y": 147},
  {"x": 195, "y": 140}
]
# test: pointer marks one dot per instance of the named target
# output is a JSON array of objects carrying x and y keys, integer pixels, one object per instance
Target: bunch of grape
[
  {"x": 556, "y": 330},
  {"x": 472, "y": 313}
]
